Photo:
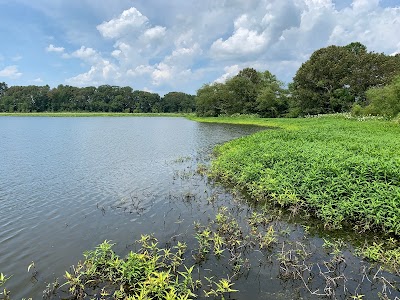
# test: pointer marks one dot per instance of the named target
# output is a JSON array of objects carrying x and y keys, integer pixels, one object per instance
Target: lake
[
  {"x": 64, "y": 183},
  {"x": 68, "y": 184}
]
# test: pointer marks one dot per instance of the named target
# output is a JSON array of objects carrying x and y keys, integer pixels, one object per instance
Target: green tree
[
  {"x": 335, "y": 77},
  {"x": 272, "y": 98},
  {"x": 249, "y": 92},
  {"x": 146, "y": 102},
  {"x": 384, "y": 100},
  {"x": 212, "y": 99},
  {"x": 178, "y": 102}
]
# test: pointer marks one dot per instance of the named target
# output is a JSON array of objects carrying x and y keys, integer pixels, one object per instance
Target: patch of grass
[{"x": 341, "y": 170}]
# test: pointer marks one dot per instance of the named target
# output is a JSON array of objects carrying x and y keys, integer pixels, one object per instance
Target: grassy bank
[
  {"x": 343, "y": 171},
  {"x": 90, "y": 114}
]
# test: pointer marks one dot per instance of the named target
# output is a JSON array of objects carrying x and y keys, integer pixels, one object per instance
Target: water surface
[{"x": 67, "y": 184}]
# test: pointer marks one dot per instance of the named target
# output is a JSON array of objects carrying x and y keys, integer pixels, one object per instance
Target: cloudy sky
[{"x": 178, "y": 45}]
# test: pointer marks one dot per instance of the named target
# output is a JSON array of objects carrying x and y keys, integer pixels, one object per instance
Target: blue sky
[{"x": 179, "y": 45}]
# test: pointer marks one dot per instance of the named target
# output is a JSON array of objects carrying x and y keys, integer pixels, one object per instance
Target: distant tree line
[
  {"x": 334, "y": 79},
  {"x": 104, "y": 98}
]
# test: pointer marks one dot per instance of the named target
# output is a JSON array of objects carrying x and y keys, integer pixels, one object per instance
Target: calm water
[{"x": 66, "y": 185}]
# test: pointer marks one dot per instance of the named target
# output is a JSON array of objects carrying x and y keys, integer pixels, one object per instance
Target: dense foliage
[
  {"x": 249, "y": 92},
  {"x": 104, "y": 98},
  {"x": 342, "y": 171},
  {"x": 384, "y": 101},
  {"x": 334, "y": 78}
]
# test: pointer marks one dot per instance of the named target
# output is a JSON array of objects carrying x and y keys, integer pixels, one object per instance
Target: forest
[
  {"x": 104, "y": 98},
  {"x": 334, "y": 79}
]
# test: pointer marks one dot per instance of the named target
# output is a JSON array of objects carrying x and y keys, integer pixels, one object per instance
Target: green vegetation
[
  {"x": 386, "y": 252},
  {"x": 335, "y": 78},
  {"x": 249, "y": 92},
  {"x": 343, "y": 171},
  {"x": 150, "y": 273},
  {"x": 91, "y": 114},
  {"x": 105, "y": 98},
  {"x": 384, "y": 101}
]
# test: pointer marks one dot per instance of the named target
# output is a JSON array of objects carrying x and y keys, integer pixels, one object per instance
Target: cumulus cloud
[
  {"x": 364, "y": 5},
  {"x": 176, "y": 65},
  {"x": 100, "y": 73},
  {"x": 212, "y": 40},
  {"x": 86, "y": 54},
  {"x": 154, "y": 33},
  {"x": 230, "y": 71},
  {"x": 10, "y": 72},
  {"x": 128, "y": 22},
  {"x": 102, "y": 70},
  {"x": 52, "y": 48},
  {"x": 245, "y": 40}
]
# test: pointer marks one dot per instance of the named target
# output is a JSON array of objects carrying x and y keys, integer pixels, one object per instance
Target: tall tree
[
  {"x": 335, "y": 77},
  {"x": 249, "y": 92}
]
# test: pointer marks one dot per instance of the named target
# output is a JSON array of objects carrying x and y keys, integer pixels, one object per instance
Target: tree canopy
[
  {"x": 105, "y": 98},
  {"x": 336, "y": 77},
  {"x": 249, "y": 92},
  {"x": 384, "y": 101}
]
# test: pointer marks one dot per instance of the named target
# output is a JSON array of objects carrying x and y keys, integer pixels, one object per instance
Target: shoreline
[{"x": 91, "y": 114}]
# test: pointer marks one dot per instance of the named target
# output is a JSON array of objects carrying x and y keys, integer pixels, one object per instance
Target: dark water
[{"x": 68, "y": 184}]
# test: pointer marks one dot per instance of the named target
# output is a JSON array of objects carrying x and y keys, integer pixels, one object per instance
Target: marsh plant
[
  {"x": 4, "y": 293},
  {"x": 150, "y": 273}
]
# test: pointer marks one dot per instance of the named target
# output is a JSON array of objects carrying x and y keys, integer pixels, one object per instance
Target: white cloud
[
  {"x": 154, "y": 33},
  {"x": 140, "y": 70},
  {"x": 176, "y": 66},
  {"x": 102, "y": 70},
  {"x": 365, "y": 5},
  {"x": 367, "y": 23},
  {"x": 52, "y": 48},
  {"x": 38, "y": 80},
  {"x": 100, "y": 73},
  {"x": 229, "y": 72},
  {"x": 183, "y": 46},
  {"x": 85, "y": 54},
  {"x": 129, "y": 21},
  {"x": 10, "y": 72},
  {"x": 244, "y": 41}
]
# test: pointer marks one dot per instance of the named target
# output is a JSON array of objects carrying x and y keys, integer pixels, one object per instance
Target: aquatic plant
[
  {"x": 342, "y": 171},
  {"x": 4, "y": 293},
  {"x": 150, "y": 273}
]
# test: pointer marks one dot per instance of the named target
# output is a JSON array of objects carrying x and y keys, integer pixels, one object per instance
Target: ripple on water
[{"x": 62, "y": 180}]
